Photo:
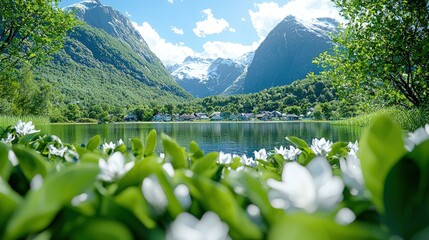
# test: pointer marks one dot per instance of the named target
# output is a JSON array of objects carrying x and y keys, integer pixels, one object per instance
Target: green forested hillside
[
  {"x": 300, "y": 97},
  {"x": 95, "y": 69}
]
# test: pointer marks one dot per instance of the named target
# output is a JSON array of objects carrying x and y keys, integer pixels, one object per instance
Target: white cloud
[
  {"x": 128, "y": 14},
  {"x": 269, "y": 14},
  {"x": 167, "y": 52},
  {"x": 171, "y": 54},
  {"x": 215, "y": 49},
  {"x": 210, "y": 25},
  {"x": 177, "y": 30},
  {"x": 243, "y": 19},
  {"x": 170, "y": 1}
]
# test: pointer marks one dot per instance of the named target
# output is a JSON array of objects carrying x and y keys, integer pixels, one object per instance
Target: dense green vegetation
[
  {"x": 298, "y": 98},
  {"x": 29, "y": 33},
  {"x": 96, "y": 77},
  {"x": 50, "y": 189},
  {"x": 381, "y": 55},
  {"x": 104, "y": 82}
]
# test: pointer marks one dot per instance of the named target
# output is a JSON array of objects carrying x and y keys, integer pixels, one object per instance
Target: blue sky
[{"x": 175, "y": 29}]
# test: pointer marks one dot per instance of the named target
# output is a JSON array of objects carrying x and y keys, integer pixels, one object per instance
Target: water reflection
[{"x": 239, "y": 137}]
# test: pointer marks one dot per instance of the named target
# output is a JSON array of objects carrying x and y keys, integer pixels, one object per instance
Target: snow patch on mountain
[
  {"x": 206, "y": 77},
  {"x": 191, "y": 68}
]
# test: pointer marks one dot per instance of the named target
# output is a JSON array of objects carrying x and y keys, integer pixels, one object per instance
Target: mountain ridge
[
  {"x": 287, "y": 52},
  {"x": 208, "y": 77},
  {"x": 108, "y": 62}
]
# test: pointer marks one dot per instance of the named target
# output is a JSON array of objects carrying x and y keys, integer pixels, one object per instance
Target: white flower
[
  {"x": 321, "y": 147},
  {"x": 120, "y": 142},
  {"x": 290, "y": 154},
  {"x": 248, "y": 161},
  {"x": 154, "y": 194},
  {"x": 108, "y": 146},
  {"x": 37, "y": 182},
  {"x": 186, "y": 226},
  {"x": 224, "y": 158},
  {"x": 168, "y": 167},
  {"x": 261, "y": 154},
  {"x": 24, "y": 128},
  {"x": 352, "y": 173},
  {"x": 308, "y": 188},
  {"x": 417, "y": 137},
  {"x": 161, "y": 158},
  {"x": 354, "y": 147},
  {"x": 13, "y": 159},
  {"x": 345, "y": 216},
  {"x": 77, "y": 200},
  {"x": 57, "y": 151},
  {"x": 182, "y": 194},
  {"x": 9, "y": 138},
  {"x": 114, "y": 168}
]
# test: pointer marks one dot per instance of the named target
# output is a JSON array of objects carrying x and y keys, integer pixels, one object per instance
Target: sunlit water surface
[{"x": 231, "y": 137}]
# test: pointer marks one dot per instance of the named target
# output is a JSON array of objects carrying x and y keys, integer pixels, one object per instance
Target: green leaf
[
  {"x": 253, "y": 189},
  {"x": 406, "y": 199},
  {"x": 195, "y": 151},
  {"x": 132, "y": 199},
  {"x": 135, "y": 176},
  {"x": 93, "y": 143},
  {"x": 299, "y": 143},
  {"x": 381, "y": 146},
  {"x": 101, "y": 229},
  {"x": 305, "y": 226},
  {"x": 420, "y": 155},
  {"x": 42, "y": 205},
  {"x": 150, "y": 143},
  {"x": 137, "y": 147},
  {"x": 207, "y": 165},
  {"x": 27, "y": 138},
  {"x": 217, "y": 198},
  {"x": 9, "y": 201},
  {"x": 5, "y": 165},
  {"x": 81, "y": 150},
  {"x": 143, "y": 169},
  {"x": 307, "y": 154},
  {"x": 30, "y": 162},
  {"x": 407, "y": 185},
  {"x": 336, "y": 148},
  {"x": 174, "y": 153},
  {"x": 90, "y": 157},
  {"x": 121, "y": 148}
]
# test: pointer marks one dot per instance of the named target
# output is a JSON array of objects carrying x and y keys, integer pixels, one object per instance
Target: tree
[
  {"x": 381, "y": 54},
  {"x": 30, "y": 31}
]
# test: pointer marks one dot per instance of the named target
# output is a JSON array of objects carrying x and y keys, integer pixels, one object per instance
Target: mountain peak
[{"x": 287, "y": 52}]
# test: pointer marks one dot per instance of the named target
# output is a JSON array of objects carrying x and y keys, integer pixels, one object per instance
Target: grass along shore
[
  {"x": 6, "y": 120},
  {"x": 408, "y": 119}
]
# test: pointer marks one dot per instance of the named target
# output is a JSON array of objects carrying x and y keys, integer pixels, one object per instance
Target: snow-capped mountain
[
  {"x": 192, "y": 68},
  {"x": 287, "y": 53},
  {"x": 207, "y": 77}
]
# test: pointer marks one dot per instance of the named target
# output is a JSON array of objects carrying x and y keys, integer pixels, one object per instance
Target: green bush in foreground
[{"x": 375, "y": 190}]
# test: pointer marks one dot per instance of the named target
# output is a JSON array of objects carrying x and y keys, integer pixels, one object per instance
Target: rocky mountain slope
[
  {"x": 208, "y": 77},
  {"x": 287, "y": 52},
  {"x": 105, "y": 60}
]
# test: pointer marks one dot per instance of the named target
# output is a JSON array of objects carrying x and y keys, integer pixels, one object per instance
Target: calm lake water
[{"x": 234, "y": 137}]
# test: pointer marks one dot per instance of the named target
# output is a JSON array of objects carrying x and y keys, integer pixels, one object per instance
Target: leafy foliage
[
  {"x": 30, "y": 32},
  {"x": 380, "y": 56}
]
